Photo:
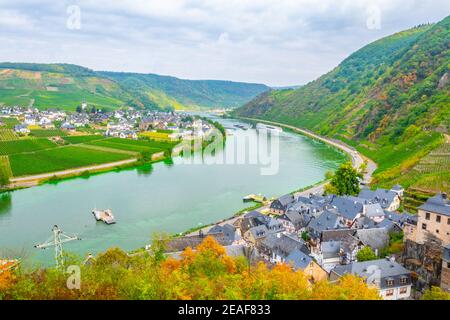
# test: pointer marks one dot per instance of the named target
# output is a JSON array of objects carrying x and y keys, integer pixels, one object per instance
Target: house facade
[
  {"x": 392, "y": 281},
  {"x": 434, "y": 219}
]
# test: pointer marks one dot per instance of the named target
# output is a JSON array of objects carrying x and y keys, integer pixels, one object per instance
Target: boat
[
  {"x": 261, "y": 126},
  {"x": 104, "y": 215}
]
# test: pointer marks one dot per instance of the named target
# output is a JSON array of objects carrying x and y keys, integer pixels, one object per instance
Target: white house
[{"x": 392, "y": 280}]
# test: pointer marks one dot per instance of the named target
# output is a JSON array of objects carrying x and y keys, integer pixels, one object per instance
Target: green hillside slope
[
  {"x": 65, "y": 86},
  {"x": 389, "y": 99}
]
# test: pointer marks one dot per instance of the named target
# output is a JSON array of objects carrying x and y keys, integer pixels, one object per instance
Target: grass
[
  {"x": 24, "y": 145},
  {"x": 141, "y": 146},
  {"x": 83, "y": 139},
  {"x": 44, "y": 133},
  {"x": 59, "y": 159}
]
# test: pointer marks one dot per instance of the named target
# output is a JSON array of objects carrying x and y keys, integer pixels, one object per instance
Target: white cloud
[{"x": 277, "y": 42}]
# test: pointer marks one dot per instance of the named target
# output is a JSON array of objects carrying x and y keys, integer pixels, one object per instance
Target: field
[
  {"x": 141, "y": 146},
  {"x": 44, "y": 133},
  {"x": 156, "y": 135},
  {"x": 9, "y": 123},
  {"x": 25, "y": 145},
  {"x": 59, "y": 159},
  {"x": 7, "y": 134},
  {"x": 83, "y": 139}
]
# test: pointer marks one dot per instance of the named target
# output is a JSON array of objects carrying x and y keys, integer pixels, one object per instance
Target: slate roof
[
  {"x": 376, "y": 238},
  {"x": 330, "y": 249},
  {"x": 340, "y": 234},
  {"x": 373, "y": 210},
  {"x": 259, "y": 232},
  {"x": 284, "y": 244},
  {"x": 437, "y": 204},
  {"x": 298, "y": 259},
  {"x": 227, "y": 230},
  {"x": 347, "y": 207},
  {"x": 286, "y": 199},
  {"x": 387, "y": 270},
  {"x": 382, "y": 196},
  {"x": 328, "y": 220}
]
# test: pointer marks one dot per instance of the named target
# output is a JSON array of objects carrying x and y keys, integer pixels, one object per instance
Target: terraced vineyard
[
  {"x": 141, "y": 146},
  {"x": 59, "y": 159},
  {"x": 44, "y": 133},
  {"x": 7, "y": 134},
  {"x": 25, "y": 145},
  {"x": 82, "y": 139}
]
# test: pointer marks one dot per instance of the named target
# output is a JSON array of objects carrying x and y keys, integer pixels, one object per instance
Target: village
[
  {"x": 328, "y": 236},
  {"x": 121, "y": 123}
]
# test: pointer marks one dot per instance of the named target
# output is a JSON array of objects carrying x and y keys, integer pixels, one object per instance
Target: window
[
  {"x": 404, "y": 280},
  {"x": 390, "y": 282},
  {"x": 448, "y": 265},
  {"x": 448, "y": 221},
  {"x": 427, "y": 215},
  {"x": 403, "y": 290},
  {"x": 424, "y": 226},
  {"x": 389, "y": 292},
  {"x": 438, "y": 219}
]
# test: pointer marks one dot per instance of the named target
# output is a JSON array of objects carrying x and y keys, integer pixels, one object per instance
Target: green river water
[{"x": 168, "y": 197}]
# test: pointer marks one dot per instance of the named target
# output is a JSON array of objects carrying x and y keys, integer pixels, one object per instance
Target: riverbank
[
  {"x": 356, "y": 158},
  {"x": 35, "y": 180}
]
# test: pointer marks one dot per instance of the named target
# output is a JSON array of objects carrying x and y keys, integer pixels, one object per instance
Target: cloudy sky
[{"x": 276, "y": 42}]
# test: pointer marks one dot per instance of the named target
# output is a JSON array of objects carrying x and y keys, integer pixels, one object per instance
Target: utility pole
[{"x": 58, "y": 238}]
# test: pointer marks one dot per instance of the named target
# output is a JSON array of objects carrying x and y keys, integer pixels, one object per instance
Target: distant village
[
  {"x": 325, "y": 235},
  {"x": 122, "y": 123}
]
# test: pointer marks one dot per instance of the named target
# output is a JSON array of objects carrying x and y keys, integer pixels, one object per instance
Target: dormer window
[
  {"x": 404, "y": 280},
  {"x": 390, "y": 282}
]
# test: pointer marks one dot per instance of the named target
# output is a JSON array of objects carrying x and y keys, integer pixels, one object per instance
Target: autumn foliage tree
[{"x": 205, "y": 272}]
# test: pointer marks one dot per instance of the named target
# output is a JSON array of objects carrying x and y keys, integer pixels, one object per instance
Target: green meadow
[{"x": 59, "y": 159}]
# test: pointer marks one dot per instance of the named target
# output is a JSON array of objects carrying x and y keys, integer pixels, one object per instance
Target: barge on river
[{"x": 104, "y": 215}]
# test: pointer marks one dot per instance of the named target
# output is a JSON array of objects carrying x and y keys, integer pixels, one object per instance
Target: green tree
[
  {"x": 345, "y": 181},
  {"x": 366, "y": 254},
  {"x": 435, "y": 293}
]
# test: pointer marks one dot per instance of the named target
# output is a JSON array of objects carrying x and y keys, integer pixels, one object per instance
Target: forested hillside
[
  {"x": 389, "y": 99},
  {"x": 65, "y": 86}
]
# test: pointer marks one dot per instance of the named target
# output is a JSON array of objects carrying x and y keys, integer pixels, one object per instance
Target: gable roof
[
  {"x": 286, "y": 199},
  {"x": 437, "y": 204},
  {"x": 382, "y": 196},
  {"x": 330, "y": 249},
  {"x": 328, "y": 220},
  {"x": 373, "y": 210},
  {"x": 339, "y": 234},
  {"x": 385, "y": 267},
  {"x": 259, "y": 232},
  {"x": 347, "y": 207},
  {"x": 284, "y": 244},
  {"x": 298, "y": 259},
  {"x": 376, "y": 238}
]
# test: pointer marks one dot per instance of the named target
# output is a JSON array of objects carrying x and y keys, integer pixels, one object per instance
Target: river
[{"x": 162, "y": 198}]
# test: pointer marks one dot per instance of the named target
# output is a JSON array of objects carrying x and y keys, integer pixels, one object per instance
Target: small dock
[
  {"x": 104, "y": 215},
  {"x": 255, "y": 198}
]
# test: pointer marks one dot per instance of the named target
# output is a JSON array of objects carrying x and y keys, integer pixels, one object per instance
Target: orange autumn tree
[{"x": 206, "y": 272}]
